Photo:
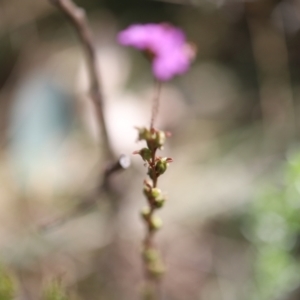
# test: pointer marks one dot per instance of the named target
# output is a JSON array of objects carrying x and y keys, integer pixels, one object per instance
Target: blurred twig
[
  {"x": 272, "y": 63},
  {"x": 76, "y": 16}
]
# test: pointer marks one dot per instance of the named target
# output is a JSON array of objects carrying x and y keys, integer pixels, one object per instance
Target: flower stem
[
  {"x": 155, "y": 139},
  {"x": 155, "y": 105},
  {"x": 152, "y": 280}
]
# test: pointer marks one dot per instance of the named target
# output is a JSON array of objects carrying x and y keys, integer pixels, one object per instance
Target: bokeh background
[{"x": 232, "y": 219}]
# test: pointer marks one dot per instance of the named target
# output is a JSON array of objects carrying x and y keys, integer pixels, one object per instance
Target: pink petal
[
  {"x": 166, "y": 42},
  {"x": 167, "y": 66}
]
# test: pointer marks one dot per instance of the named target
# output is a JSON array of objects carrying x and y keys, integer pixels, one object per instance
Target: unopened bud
[
  {"x": 155, "y": 193},
  {"x": 151, "y": 255},
  {"x": 160, "y": 139},
  {"x": 162, "y": 165},
  {"x": 144, "y": 134},
  {"x": 145, "y": 213},
  {"x": 145, "y": 153},
  {"x": 155, "y": 223},
  {"x": 157, "y": 197},
  {"x": 157, "y": 269},
  {"x": 159, "y": 202}
]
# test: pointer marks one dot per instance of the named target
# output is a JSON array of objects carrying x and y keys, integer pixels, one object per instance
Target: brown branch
[{"x": 77, "y": 18}]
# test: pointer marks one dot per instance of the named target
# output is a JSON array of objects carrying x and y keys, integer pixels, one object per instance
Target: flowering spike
[
  {"x": 170, "y": 55},
  {"x": 157, "y": 165}
]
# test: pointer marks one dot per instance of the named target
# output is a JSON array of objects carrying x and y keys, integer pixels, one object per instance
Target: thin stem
[
  {"x": 155, "y": 104},
  {"x": 149, "y": 236},
  {"x": 76, "y": 16},
  {"x": 153, "y": 168},
  {"x": 152, "y": 281}
]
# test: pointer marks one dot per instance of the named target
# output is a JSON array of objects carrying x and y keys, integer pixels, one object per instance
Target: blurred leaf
[
  {"x": 7, "y": 287},
  {"x": 275, "y": 231},
  {"x": 55, "y": 291}
]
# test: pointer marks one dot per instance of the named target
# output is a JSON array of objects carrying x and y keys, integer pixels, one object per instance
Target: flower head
[{"x": 171, "y": 54}]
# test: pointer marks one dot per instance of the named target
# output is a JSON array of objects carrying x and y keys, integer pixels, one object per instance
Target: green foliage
[
  {"x": 7, "y": 286},
  {"x": 55, "y": 291},
  {"x": 274, "y": 230}
]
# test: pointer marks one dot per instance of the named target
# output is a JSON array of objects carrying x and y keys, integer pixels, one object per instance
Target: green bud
[
  {"x": 145, "y": 153},
  {"x": 162, "y": 165},
  {"x": 157, "y": 269},
  {"x": 160, "y": 139},
  {"x": 151, "y": 255},
  {"x": 144, "y": 134},
  {"x": 155, "y": 223},
  {"x": 155, "y": 193},
  {"x": 157, "y": 197},
  {"x": 145, "y": 213},
  {"x": 159, "y": 202},
  {"x": 157, "y": 140}
]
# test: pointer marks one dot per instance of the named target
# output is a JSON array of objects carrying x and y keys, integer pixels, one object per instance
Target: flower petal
[
  {"x": 167, "y": 66},
  {"x": 166, "y": 43}
]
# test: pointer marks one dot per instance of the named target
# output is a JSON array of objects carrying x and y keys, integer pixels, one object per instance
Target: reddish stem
[{"x": 155, "y": 105}]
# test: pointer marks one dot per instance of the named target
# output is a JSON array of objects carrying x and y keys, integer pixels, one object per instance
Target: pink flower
[{"x": 171, "y": 54}]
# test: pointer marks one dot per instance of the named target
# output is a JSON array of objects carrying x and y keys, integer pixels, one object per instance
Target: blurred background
[{"x": 232, "y": 219}]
